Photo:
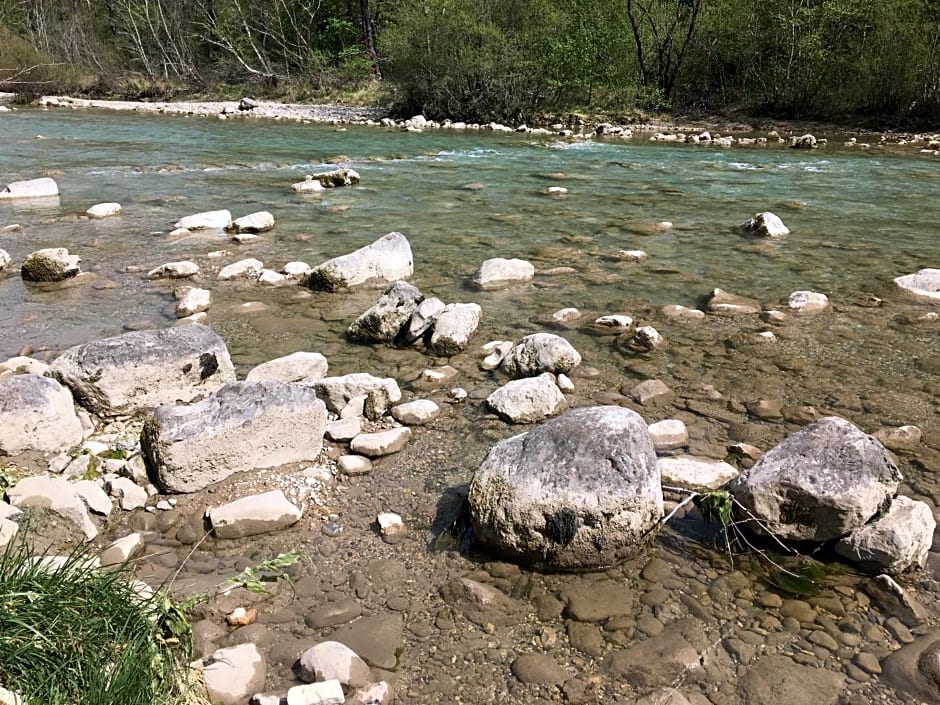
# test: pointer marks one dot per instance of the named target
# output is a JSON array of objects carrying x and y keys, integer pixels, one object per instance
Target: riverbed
[{"x": 858, "y": 219}]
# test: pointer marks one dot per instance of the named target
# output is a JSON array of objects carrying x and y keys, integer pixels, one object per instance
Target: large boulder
[
  {"x": 32, "y": 188},
  {"x": 579, "y": 492},
  {"x": 52, "y": 264},
  {"x": 541, "y": 352},
  {"x": 895, "y": 542},
  {"x": 499, "y": 272},
  {"x": 924, "y": 284},
  {"x": 453, "y": 328},
  {"x": 138, "y": 371},
  {"x": 385, "y": 260},
  {"x": 243, "y": 426},
  {"x": 36, "y": 413},
  {"x": 386, "y": 318},
  {"x": 823, "y": 482}
]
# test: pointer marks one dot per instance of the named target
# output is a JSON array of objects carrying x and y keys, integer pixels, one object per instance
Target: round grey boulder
[
  {"x": 579, "y": 492},
  {"x": 823, "y": 482},
  {"x": 36, "y": 413}
]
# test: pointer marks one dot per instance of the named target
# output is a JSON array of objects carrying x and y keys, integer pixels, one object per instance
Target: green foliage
[
  {"x": 269, "y": 571},
  {"x": 75, "y": 634}
]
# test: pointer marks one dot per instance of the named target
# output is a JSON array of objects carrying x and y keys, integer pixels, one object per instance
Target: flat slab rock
[
  {"x": 250, "y": 516},
  {"x": 135, "y": 372},
  {"x": 379, "y": 443},
  {"x": 695, "y": 473},
  {"x": 773, "y": 680},
  {"x": 243, "y": 426}
]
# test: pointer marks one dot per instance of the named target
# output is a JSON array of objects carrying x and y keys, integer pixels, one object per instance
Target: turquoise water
[{"x": 858, "y": 219}]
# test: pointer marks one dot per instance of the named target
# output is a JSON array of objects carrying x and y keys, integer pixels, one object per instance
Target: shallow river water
[{"x": 857, "y": 219}]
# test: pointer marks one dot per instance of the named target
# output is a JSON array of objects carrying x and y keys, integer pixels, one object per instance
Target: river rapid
[{"x": 858, "y": 219}]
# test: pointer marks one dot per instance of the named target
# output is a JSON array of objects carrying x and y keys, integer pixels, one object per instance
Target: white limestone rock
[
  {"x": 103, "y": 210},
  {"x": 765, "y": 224},
  {"x": 695, "y": 473},
  {"x": 541, "y": 352},
  {"x": 924, "y": 284},
  {"x": 648, "y": 338},
  {"x": 130, "y": 495},
  {"x": 55, "y": 494},
  {"x": 380, "y": 443},
  {"x": 208, "y": 220},
  {"x": 94, "y": 497},
  {"x": 52, "y": 264},
  {"x": 134, "y": 372},
  {"x": 32, "y": 188},
  {"x": 578, "y": 492},
  {"x": 386, "y": 260},
  {"x": 36, "y": 414},
  {"x": 250, "y": 516},
  {"x": 189, "y": 447},
  {"x": 807, "y": 302},
  {"x": 269, "y": 277},
  {"x": 527, "y": 400},
  {"x": 121, "y": 550},
  {"x": 650, "y": 391},
  {"x": 893, "y": 543},
  {"x": 297, "y": 367},
  {"x": 324, "y": 693},
  {"x": 249, "y": 268},
  {"x": 232, "y": 675},
  {"x": 174, "y": 270},
  {"x": 343, "y": 430},
  {"x": 5, "y": 260},
  {"x": 618, "y": 323},
  {"x": 259, "y": 222},
  {"x": 453, "y": 329},
  {"x": 498, "y": 273},
  {"x": 331, "y": 660},
  {"x": 724, "y": 303},
  {"x": 192, "y": 300},
  {"x": 353, "y": 465},
  {"x": 336, "y": 392},
  {"x": 668, "y": 434},
  {"x": 308, "y": 185},
  {"x": 416, "y": 413}
]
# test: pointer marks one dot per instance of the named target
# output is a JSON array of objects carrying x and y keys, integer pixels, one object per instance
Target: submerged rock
[
  {"x": 103, "y": 210},
  {"x": 579, "y": 492},
  {"x": 385, "y": 260},
  {"x": 208, "y": 220},
  {"x": 191, "y": 447},
  {"x": 823, "y": 482},
  {"x": 726, "y": 304},
  {"x": 137, "y": 371},
  {"x": 250, "y": 516}
]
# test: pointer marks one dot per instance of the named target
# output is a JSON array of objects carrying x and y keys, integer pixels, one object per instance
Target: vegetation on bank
[
  {"x": 492, "y": 59},
  {"x": 74, "y": 634}
]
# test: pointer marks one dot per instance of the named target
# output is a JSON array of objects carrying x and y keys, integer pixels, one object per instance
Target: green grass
[{"x": 74, "y": 634}]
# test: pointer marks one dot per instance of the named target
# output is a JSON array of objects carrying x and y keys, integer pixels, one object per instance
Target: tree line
[{"x": 485, "y": 60}]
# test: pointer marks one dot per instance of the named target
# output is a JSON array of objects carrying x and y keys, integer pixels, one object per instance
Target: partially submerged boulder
[
  {"x": 137, "y": 371},
  {"x": 895, "y": 542},
  {"x": 258, "y": 222},
  {"x": 924, "y": 284},
  {"x": 825, "y": 481},
  {"x": 243, "y": 426},
  {"x": 385, "y": 260},
  {"x": 765, "y": 224},
  {"x": 250, "y": 516},
  {"x": 538, "y": 353},
  {"x": 385, "y": 319},
  {"x": 31, "y": 188},
  {"x": 208, "y": 220},
  {"x": 336, "y": 177},
  {"x": 498, "y": 272},
  {"x": 724, "y": 303},
  {"x": 103, "y": 210},
  {"x": 453, "y": 328},
  {"x": 336, "y": 392},
  {"x": 579, "y": 492},
  {"x": 52, "y": 264},
  {"x": 36, "y": 413}
]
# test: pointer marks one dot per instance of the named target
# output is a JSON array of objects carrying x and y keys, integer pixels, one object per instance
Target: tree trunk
[{"x": 368, "y": 36}]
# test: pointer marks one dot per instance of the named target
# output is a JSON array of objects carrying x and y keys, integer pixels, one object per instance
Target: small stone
[
  {"x": 381, "y": 443},
  {"x": 538, "y": 668},
  {"x": 650, "y": 392},
  {"x": 353, "y": 465},
  {"x": 325, "y": 693},
  {"x": 668, "y": 434},
  {"x": 416, "y": 413},
  {"x": 121, "y": 550},
  {"x": 391, "y": 524}
]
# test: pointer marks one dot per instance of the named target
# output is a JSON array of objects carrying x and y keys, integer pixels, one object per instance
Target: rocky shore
[
  {"x": 721, "y": 133},
  {"x": 502, "y": 526}
]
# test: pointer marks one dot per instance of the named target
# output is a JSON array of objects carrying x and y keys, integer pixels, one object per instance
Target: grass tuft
[{"x": 73, "y": 633}]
